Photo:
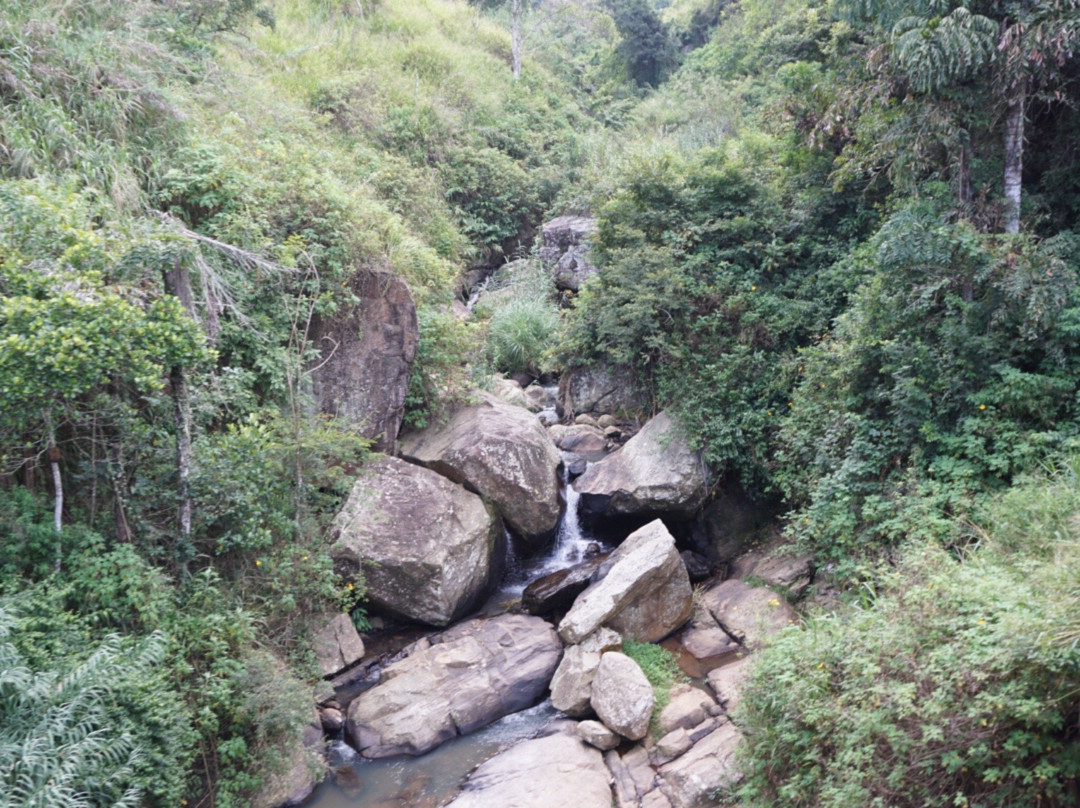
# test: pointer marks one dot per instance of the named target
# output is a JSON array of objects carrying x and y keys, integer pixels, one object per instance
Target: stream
[{"x": 433, "y": 779}]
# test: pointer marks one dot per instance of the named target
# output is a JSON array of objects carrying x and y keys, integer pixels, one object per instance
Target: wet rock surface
[{"x": 453, "y": 684}]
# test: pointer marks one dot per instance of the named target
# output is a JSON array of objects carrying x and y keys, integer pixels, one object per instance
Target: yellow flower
[
  {"x": 774, "y": 602},
  {"x": 982, "y": 406},
  {"x": 348, "y": 586},
  {"x": 821, "y": 665},
  {"x": 753, "y": 288},
  {"x": 258, "y": 563},
  {"x": 981, "y": 622},
  {"x": 305, "y": 558}
]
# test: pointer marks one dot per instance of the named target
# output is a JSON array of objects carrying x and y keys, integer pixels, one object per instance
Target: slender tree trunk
[
  {"x": 177, "y": 282},
  {"x": 58, "y": 490},
  {"x": 517, "y": 36},
  {"x": 116, "y": 460},
  {"x": 1014, "y": 156}
]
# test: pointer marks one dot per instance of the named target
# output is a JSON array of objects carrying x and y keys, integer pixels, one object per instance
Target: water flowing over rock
[
  {"x": 502, "y": 452},
  {"x": 621, "y": 696},
  {"x": 600, "y": 389},
  {"x": 338, "y": 645},
  {"x": 749, "y": 614},
  {"x": 644, "y": 593},
  {"x": 366, "y": 354},
  {"x": 559, "y": 770},
  {"x": 566, "y": 247},
  {"x": 433, "y": 545},
  {"x": 557, "y": 591},
  {"x": 655, "y": 472},
  {"x": 463, "y": 679}
]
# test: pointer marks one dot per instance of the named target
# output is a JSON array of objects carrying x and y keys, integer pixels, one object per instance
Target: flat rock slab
[
  {"x": 749, "y": 614},
  {"x": 559, "y": 770},
  {"x": 656, "y": 471},
  {"x": 425, "y": 547},
  {"x": 644, "y": 593},
  {"x": 460, "y": 681},
  {"x": 727, "y": 682},
  {"x": 502, "y": 452}
]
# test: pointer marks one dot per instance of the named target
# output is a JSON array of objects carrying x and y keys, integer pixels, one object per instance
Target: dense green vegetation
[{"x": 836, "y": 237}]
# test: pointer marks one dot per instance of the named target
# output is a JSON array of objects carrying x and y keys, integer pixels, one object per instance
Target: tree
[
  {"x": 519, "y": 11},
  {"x": 1023, "y": 44},
  {"x": 646, "y": 47}
]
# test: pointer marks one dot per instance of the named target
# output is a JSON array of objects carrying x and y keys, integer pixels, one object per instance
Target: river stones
[
  {"x": 502, "y": 452},
  {"x": 656, "y": 471},
  {"x": 366, "y": 354},
  {"x": 554, "y": 771},
  {"x": 687, "y": 707},
  {"x": 749, "y": 614},
  {"x": 459, "y": 681},
  {"x": 621, "y": 696},
  {"x": 431, "y": 544},
  {"x": 571, "y": 686},
  {"x": 644, "y": 593},
  {"x": 337, "y": 645},
  {"x": 597, "y": 735}
]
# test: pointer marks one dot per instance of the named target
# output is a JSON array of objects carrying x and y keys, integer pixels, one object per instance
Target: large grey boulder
[
  {"x": 431, "y": 544},
  {"x": 692, "y": 780},
  {"x": 465, "y": 678},
  {"x": 749, "y": 614},
  {"x": 656, "y": 471},
  {"x": 565, "y": 246},
  {"x": 337, "y": 645},
  {"x": 502, "y": 452},
  {"x": 571, "y": 686},
  {"x": 600, "y": 389},
  {"x": 542, "y": 773},
  {"x": 558, "y": 590},
  {"x": 622, "y": 697},
  {"x": 644, "y": 593},
  {"x": 366, "y": 351}
]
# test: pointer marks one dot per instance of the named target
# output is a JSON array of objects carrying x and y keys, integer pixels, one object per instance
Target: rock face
[
  {"x": 305, "y": 767},
  {"x": 433, "y": 544},
  {"x": 337, "y": 645},
  {"x": 367, "y": 350},
  {"x": 553, "y": 771},
  {"x": 655, "y": 472},
  {"x": 621, "y": 696},
  {"x": 600, "y": 389},
  {"x": 749, "y": 614},
  {"x": 502, "y": 452},
  {"x": 707, "y": 767},
  {"x": 566, "y": 247},
  {"x": 728, "y": 525},
  {"x": 785, "y": 571},
  {"x": 468, "y": 676},
  {"x": 644, "y": 593}
]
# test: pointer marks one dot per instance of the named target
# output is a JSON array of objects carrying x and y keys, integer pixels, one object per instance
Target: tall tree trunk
[
  {"x": 124, "y": 533},
  {"x": 1014, "y": 156},
  {"x": 517, "y": 36},
  {"x": 177, "y": 282},
  {"x": 58, "y": 491}
]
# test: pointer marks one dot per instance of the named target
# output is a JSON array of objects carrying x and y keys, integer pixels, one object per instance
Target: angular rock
[
  {"x": 690, "y": 780},
  {"x": 367, "y": 350},
  {"x": 539, "y": 398},
  {"x": 656, "y": 471},
  {"x": 599, "y": 389},
  {"x": 468, "y": 676},
  {"x": 502, "y": 452},
  {"x": 749, "y": 614},
  {"x": 703, "y": 638},
  {"x": 786, "y": 571},
  {"x": 510, "y": 392},
  {"x": 726, "y": 682},
  {"x": 596, "y": 734},
  {"x": 687, "y": 708},
  {"x": 557, "y": 591},
  {"x": 566, "y": 247},
  {"x": 633, "y": 777},
  {"x": 670, "y": 747},
  {"x": 571, "y": 686},
  {"x": 553, "y": 771},
  {"x": 432, "y": 544},
  {"x": 332, "y": 719},
  {"x": 291, "y": 784},
  {"x": 338, "y": 645},
  {"x": 644, "y": 595},
  {"x": 621, "y": 696},
  {"x": 582, "y": 439}
]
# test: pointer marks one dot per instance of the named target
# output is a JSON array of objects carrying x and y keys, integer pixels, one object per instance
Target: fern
[
  {"x": 934, "y": 52},
  {"x": 56, "y": 748}
]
